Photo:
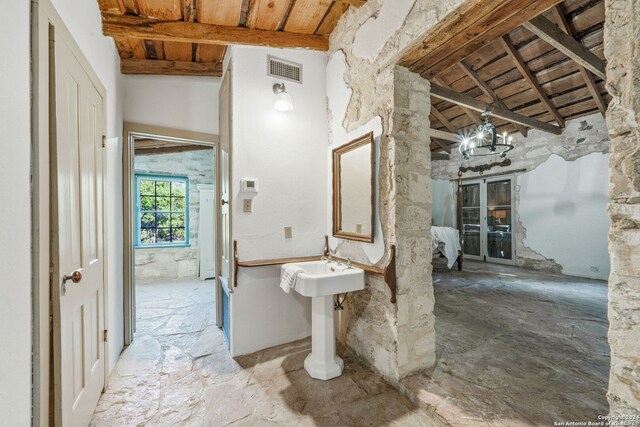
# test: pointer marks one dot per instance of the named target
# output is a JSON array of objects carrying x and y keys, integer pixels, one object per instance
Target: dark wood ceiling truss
[{"x": 534, "y": 64}]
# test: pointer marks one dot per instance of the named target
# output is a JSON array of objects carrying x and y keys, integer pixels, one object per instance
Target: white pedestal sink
[{"x": 320, "y": 281}]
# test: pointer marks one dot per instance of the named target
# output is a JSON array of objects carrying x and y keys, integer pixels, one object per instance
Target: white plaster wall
[
  {"x": 563, "y": 206},
  {"x": 560, "y": 157},
  {"x": 444, "y": 203},
  {"x": 83, "y": 20},
  {"x": 15, "y": 245},
  {"x": 338, "y": 96},
  {"x": 286, "y": 153},
  {"x": 178, "y": 102}
]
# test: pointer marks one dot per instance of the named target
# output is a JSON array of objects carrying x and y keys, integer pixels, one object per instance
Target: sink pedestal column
[{"x": 322, "y": 363}]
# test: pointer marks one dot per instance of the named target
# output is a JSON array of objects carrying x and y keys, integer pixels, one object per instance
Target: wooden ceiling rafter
[
  {"x": 469, "y": 29},
  {"x": 586, "y": 74},
  {"x": 442, "y": 119},
  {"x": 439, "y": 145},
  {"x": 489, "y": 73},
  {"x": 200, "y": 30},
  {"x": 480, "y": 106},
  {"x": 530, "y": 78},
  {"x": 488, "y": 91},
  {"x": 566, "y": 44},
  {"x": 170, "y": 68},
  {"x": 475, "y": 117},
  {"x": 145, "y": 146},
  {"x": 195, "y": 32}
]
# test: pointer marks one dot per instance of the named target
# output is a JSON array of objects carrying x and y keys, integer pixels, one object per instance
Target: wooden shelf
[
  {"x": 277, "y": 261},
  {"x": 388, "y": 272}
]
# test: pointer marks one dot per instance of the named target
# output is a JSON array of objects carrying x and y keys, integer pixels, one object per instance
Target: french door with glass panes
[{"x": 488, "y": 219}]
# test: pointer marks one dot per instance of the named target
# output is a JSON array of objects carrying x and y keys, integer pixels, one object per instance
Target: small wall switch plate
[
  {"x": 246, "y": 205},
  {"x": 288, "y": 233}
]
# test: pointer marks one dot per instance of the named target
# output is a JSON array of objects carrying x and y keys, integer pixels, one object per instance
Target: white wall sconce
[{"x": 283, "y": 100}]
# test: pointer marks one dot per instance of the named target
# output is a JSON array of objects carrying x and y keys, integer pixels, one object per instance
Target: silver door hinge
[
  {"x": 104, "y": 141},
  {"x": 106, "y": 335}
]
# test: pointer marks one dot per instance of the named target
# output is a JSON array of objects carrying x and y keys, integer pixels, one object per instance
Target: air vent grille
[{"x": 284, "y": 69}]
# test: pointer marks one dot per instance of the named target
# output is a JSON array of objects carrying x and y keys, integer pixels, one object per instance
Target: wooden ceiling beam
[
  {"x": 530, "y": 78},
  {"x": 442, "y": 119},
  {"x": 439, "y": 145},
  {"x": 169, "y": 150},
  {"x": 586, "y": 74},
  {"x": 472, "y": 114},
  {"x": 439, "y": 134},
  {"x": 488, "y": 91},
  {"x": 356, "y": 3},
  {"x": 189, "y": 10},
  {"x": 475, "y": 24},
  {"x": 566, "y": 44},
  {"x": 503, "y": 113},
  {"x": 194, "y": 32},
  {"x": 170, "y": 68}
]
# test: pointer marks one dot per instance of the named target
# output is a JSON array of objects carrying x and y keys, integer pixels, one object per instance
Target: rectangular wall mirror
[{"x": 353, "y": 186}]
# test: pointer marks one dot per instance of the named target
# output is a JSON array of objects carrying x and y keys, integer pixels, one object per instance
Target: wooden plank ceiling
[
  {"x": 190, "y": 37},
  {"x": 148, "y": 147},
  {"x": 523, "y": 59}
]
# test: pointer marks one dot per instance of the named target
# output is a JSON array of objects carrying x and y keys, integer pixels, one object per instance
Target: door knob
[
  {"x": 75, "y": 277},
  {"x": 223, "y": 202}
]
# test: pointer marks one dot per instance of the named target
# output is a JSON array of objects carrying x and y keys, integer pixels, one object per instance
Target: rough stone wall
[
  {"x": 370, "y": 40},
  {"x": 412, "y": 158},
  {"x": 581, "y": 137},
  {"x": 180, "y": 262},
  {"x": 622, "y": 47}
]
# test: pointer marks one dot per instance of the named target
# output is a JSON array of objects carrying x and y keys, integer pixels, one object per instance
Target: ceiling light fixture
[
  {"x": 486, "y": 142},
  {"x": 283, "y": 100}
]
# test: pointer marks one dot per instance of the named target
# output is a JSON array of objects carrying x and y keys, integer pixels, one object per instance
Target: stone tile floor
[
  {"x": 178, "y": 373},
  {"x": 516, "y": 348}
]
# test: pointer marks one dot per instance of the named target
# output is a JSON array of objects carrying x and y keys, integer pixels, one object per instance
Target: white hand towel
[{"x": 289, "y": 274}]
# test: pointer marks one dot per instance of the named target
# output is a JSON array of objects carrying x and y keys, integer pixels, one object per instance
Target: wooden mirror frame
[{"x": 337, "y": 203}]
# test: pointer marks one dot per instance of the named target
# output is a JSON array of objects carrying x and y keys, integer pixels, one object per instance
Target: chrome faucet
[{"x": 327, "y": 258}]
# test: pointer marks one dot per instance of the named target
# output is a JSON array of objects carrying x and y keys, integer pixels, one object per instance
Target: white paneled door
[
  {"x": 223, "y": 179},
  {"x": 77, "y": 252},
  {"x": 224, "y": 248},
  {"x": 206, "y": 233}
]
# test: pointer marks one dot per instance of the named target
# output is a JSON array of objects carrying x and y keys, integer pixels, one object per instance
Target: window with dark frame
[{"x": 162, "y": 210}]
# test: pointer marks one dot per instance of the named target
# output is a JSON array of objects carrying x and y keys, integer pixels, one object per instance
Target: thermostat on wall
[{"x": 249, "y": 185}]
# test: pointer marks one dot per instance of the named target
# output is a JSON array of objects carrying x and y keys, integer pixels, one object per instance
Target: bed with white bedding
[{"x": 445, "y": 241}]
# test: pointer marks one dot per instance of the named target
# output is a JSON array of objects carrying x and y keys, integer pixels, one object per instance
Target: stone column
[
  {"x": 409, "y": 129},
  {"x": 622, "y": 44}
]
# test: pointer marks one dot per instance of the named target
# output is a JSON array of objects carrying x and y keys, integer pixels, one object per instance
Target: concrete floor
[
  {"x": 516, "y": 348},
  {"x": 178, "y": 373}
]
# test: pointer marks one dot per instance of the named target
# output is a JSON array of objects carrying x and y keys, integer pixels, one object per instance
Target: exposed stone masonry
[
  {"x": 395, "y": 339},
  {"x": 621, "y": 48}
]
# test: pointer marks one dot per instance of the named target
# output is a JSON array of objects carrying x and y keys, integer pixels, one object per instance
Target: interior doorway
[
  {"x": 170, "y": 188},
  {"x": 488, "y": 218}
]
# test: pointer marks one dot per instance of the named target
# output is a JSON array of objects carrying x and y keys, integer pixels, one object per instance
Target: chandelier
[{"x": 486, "y": 141}]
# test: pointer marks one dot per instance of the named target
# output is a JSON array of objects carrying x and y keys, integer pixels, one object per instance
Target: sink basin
[{"x": 320, "y": 281}]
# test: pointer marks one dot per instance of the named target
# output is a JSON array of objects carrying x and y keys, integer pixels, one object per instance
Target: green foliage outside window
[{"x": 162, "y": 210}]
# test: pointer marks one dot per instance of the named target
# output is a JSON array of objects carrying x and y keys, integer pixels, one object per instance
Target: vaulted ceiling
[
  {"x": 532, "y": 63},
  {"x": 190, "y": 37}
]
